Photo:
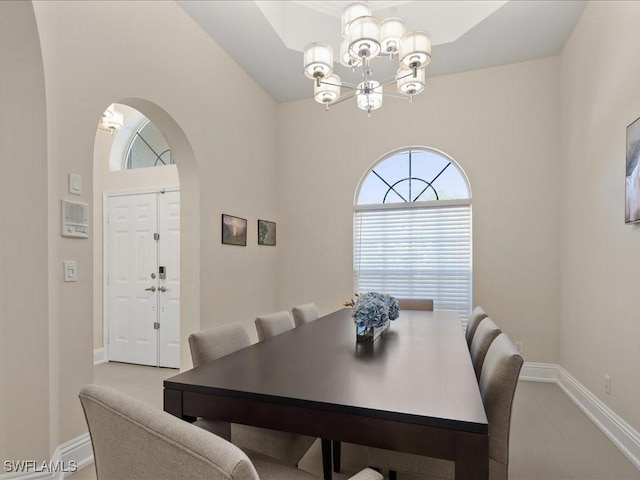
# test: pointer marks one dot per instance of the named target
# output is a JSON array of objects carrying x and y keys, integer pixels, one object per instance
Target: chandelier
[
  {"x": 112, "y": 120},
  {"x": 364, "y": 37}
]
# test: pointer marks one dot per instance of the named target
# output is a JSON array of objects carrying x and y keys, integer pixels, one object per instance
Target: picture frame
[
  {"x": 234, "y": 230},
  {"x": 632, "y": 179},
  {"x": 266, "y": 233}
]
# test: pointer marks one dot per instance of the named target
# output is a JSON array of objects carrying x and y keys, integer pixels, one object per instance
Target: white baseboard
[
  {"x": 623, "y": 436},
  {"x": 99, "y": 356},
  {"x": 76, "y": 452},
  {"x": 539, "y": 372}
]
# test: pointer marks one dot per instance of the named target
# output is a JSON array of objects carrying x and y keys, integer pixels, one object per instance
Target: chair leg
[
  {"x": 326, "y": 459},
  {"x": 393, "y": 475},
  {"x": 337, "y": 456}
]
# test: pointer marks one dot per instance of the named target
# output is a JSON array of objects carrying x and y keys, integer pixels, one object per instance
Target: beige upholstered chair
[
  {"x": 498, "y": 381},
  {"x": 486, "y": 333},
  {"x": 474, "y": 320},
  {"x": 415, "y": 303},
  {"x": 131, "y": 439},
  {"x": 304, "y": 313},
  {"x": 273, "y": 324},
  {"x": 209, "y": 345}
]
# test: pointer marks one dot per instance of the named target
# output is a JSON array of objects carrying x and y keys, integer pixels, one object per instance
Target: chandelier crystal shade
[{"x": 364, "y": 38}]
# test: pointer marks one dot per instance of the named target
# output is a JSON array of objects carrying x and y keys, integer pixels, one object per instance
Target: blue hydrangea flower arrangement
[{"x": 374, "y": 309}]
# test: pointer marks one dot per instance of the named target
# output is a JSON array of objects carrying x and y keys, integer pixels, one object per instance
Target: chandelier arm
[
  {"x": 342, "y": 99},
  {"x": 388, "y": 81},
  {"x": 404, "y": 96},
  {"x": 350, "y": 86}
]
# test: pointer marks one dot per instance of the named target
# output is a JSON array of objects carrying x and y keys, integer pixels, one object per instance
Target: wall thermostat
[{"x": 75, "y": 219}]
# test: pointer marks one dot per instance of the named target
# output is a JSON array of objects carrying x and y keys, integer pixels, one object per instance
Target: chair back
[
  {"x": 498, "y": 383},
  {"x": 415, "y": 304},
  {"x": 209, "y": 345},
  {"x": 273, "y": 324},
  {"x": 305, "y": 313},
  {"x": 476, "y": 317},
  {"x": 486, "y": 333},
  {"x": 131, "y": 439}
]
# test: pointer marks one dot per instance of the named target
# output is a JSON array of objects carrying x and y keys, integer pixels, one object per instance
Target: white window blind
[{"x": 416, "y": 252}]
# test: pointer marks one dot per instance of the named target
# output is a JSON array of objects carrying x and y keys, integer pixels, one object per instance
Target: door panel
[
  {"x": 169, "y": 300},
  {"x": 133, "y": 254}
]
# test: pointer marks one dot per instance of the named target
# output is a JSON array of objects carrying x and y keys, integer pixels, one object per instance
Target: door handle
[
  {"x": 151, "y": 289},
  {"x": 163, "y": 289}
]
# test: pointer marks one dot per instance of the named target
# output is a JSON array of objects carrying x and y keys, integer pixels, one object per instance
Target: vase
[{"x": 369, "y": 334}]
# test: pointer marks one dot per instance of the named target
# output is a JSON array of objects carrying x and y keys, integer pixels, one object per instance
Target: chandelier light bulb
[
  {"x": 364, "y": 37},
  {"x": 411, "y": 82},
  {"x": 328, "y": 91},
  {"x": 415, "y": 49},
  {"x": 346, "y": 58},
  {"x": 318, "y": 60},
  {"x": 353, "y": 11},
  {"x": 392, "y": 30},
  {"x": 369, "y": 96}
]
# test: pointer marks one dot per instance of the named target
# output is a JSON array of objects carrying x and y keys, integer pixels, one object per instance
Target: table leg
[
  {"x": 326, "y": 459},
  {"x": 337, "y": 455},
  {"x": 173, "y": 404},
  {"x": 472, "y": 456}
]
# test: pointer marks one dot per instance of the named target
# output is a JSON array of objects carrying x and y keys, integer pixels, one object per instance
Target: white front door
[{"x": 143, "y": 281}]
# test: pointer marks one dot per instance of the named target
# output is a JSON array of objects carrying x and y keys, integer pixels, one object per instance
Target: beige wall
[
  {"x": 600, "y": 261},
  {"x": 24, "y": 330},
  {"x": 170, "y": 70},
  {"x": 501, "y": 125}
]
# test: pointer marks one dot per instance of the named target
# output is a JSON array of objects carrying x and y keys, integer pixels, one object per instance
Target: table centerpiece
[{"x": 371, "y": 312}]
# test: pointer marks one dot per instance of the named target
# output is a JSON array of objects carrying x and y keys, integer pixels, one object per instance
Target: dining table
[{"x": 412, "y": 390}]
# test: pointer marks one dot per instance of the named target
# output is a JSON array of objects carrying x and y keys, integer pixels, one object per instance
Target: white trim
[
  {"x": 140, "y": 191},
  {"x": 78, "y": 450},
  {"x": 407, "y": 205},
  {"x": 623, "y": 435},
  {"x": 105, "y": 276},
  {"x": 98, "y": 356},
  {"x": 539, "y": 372}
]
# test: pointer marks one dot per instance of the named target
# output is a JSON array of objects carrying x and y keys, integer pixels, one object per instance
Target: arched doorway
[{"x": 148, "y": 120}]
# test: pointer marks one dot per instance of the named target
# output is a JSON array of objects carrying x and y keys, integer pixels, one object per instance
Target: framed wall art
[
  {"x": 234, "y": 230},
  {"x": 266, "y": 232},
  {"x": 632, "y": 185}
]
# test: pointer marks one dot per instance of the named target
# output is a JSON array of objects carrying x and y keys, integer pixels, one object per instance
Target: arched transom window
[
  {"x": 412, "y": 229},
  {"x": 148, "y": 148}
]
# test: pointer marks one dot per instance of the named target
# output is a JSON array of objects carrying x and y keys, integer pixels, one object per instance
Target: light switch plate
[
  {"x": 75, "y": 184},
  {"x": 70, "y": 271}
]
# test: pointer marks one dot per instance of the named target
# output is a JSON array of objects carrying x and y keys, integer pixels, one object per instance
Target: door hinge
[
  {"x": 156, "y": 236},
  {"x": 156, "y": 325}
]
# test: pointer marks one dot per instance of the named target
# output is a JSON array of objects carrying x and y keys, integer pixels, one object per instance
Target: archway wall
[
  {"x": 24, "y": 348},
  {"x": 222, "y": 128}
]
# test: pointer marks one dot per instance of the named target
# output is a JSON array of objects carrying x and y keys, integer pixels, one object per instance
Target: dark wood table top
[{"x": 419, "y": 371}]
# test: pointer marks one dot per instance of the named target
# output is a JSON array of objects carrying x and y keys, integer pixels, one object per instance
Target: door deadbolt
[{"x": 153, "y": 275}]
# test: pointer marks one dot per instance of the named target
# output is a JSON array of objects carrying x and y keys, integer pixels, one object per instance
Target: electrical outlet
[
  {"x": 607, "y": 384},
  {"x": 519, "y": 347}
]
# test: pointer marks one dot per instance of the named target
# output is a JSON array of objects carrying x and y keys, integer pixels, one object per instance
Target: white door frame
[{"x": 105, "y": 253}]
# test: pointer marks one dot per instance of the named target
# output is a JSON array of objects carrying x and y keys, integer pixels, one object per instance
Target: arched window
[
  {"x": 412, "y": 229},
  {"x": 148, "y": 148}
]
